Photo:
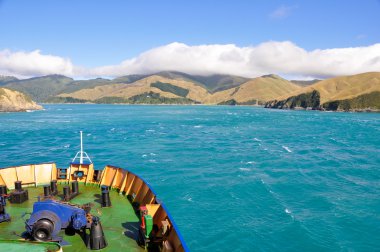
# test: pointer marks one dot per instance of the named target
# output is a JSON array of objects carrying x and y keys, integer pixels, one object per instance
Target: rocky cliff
[
  {"x": 358, "y": 92},
  {"x": 14, "y": 101}
]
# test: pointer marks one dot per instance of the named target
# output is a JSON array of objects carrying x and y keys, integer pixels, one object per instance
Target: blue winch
[{"x": 50, "y": 216}]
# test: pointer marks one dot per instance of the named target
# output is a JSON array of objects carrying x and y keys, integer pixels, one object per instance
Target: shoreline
[
  {"x": 214, "y": 105},
  {"x": 21, "y": 110}
]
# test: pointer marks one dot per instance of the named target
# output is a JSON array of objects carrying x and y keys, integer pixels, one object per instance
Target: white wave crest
[
  {"x": 244, "y": 169},
  {"x": 286, "y": 148}
]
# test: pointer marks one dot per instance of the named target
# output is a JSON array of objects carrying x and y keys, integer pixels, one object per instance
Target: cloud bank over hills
[{"x": 284, "y": 58}]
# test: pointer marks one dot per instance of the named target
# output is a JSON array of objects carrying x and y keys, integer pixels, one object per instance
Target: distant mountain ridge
[
  {"x": 6, "y": 79},
  {"x": 253, "y": 91},
  {"x": 176, "y": 87},
  {"x": 213, "y": 83},
  {"x": 41, "y": 88},
  {"x": 44, "y": 88}
]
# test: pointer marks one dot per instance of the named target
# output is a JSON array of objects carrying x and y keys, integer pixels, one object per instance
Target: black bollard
[
  {"x": 66, "y": 193},
  {"x": 18, "y": 185},
  {"x": 53, "y": 187},
  {"x": 3, "y": 189},
  {"x": 46, "y": 191},
  {"x": 97, "y": 240},
  {"x": 106, "y": 200},
  {"x": 74, "y": 187},
  {"x": 19, "y": 195},
  {"x": 103, "y": 187}
]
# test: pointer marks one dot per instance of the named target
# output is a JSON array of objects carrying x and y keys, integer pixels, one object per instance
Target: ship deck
[{"x": 120, "y": 222}]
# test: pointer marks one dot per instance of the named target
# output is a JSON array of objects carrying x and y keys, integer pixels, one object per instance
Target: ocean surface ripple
[{"x": 234, "y": 178}]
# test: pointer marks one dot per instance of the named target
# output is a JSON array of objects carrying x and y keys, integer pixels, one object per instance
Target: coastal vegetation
[
  {"x": 154, "y": 98},
  {"x": 365, "y": 102},
  {"x": 306, "y": 101},
  {"x": 229, "y": 102},
  {"x": 370, "y": 101},
  {"x": 145, "y": 98},
  {"x": 252, "y": 102},
  {"x": 58, "y": 99},
  {"x": 167, "y": 87}
]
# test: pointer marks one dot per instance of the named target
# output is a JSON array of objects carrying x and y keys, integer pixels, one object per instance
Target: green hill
[
  {"x": 213, "y": 83},
  {"x": 6, "y": 79},
  {"x": 81, "y": 84},
  {"x": 129, "y": 78},
  {"x": 41, "y": 88},
  {"x": 144, "y": 98},
  {"x": 167, "y": 87}
]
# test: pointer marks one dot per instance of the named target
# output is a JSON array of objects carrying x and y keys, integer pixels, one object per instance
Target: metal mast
[
  {"x": 81, "y": 155},
  {"x": 81, "y": 148}
]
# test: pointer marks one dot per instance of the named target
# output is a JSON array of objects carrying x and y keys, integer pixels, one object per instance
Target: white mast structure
[{"x": 81, "y": 155}]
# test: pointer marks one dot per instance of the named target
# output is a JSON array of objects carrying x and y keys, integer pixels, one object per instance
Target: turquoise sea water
[{"x": 234, "y": 178}]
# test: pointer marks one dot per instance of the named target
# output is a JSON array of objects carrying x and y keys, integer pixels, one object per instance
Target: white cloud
[
  {"x": 283, "y": 58},
  {"x": 27, "y": 64},
  {"x": 282, "y": 12}
]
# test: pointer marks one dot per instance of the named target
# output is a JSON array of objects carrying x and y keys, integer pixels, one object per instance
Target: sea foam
[
  {"x": 244, "y": 169},
  {"x": 286, "y": 148}
]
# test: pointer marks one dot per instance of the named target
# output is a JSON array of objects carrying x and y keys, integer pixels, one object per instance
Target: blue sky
[{"x": 99, "y": 33}]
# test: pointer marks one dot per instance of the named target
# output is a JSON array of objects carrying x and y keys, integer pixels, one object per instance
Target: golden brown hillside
[
  {"x": 341, "y": 88},
  {"x": 196, "y": 92},
  {"x": 263, "y": 89},
  {"x": 14, "y": 101}
]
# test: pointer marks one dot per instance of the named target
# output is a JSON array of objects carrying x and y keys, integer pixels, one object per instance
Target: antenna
[
  {"x": 81, "y": 147},
  {"x": 81, "y": 155}
]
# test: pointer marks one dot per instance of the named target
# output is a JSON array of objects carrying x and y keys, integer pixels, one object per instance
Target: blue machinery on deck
[
  {"x": 50, "y": 216},
  {"x": 44, "y": 221}
]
